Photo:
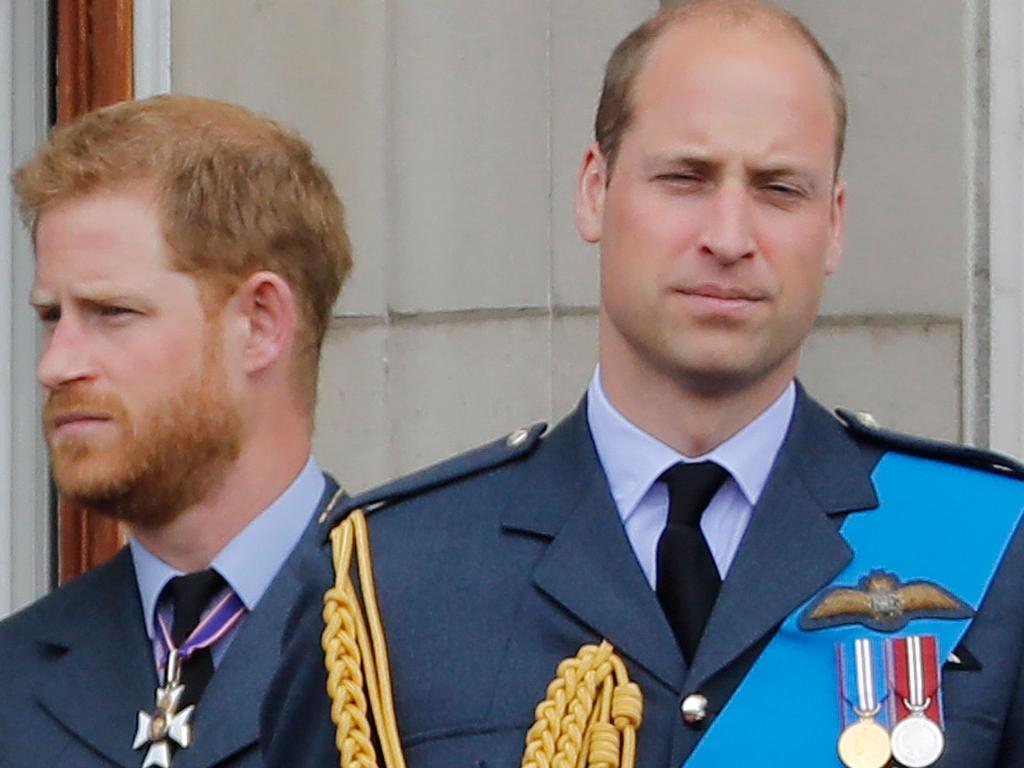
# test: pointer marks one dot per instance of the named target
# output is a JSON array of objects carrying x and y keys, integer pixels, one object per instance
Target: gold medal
[{"x": 864, "y": 744}]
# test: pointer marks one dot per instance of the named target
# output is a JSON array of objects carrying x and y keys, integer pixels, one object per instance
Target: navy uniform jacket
[
  {"x": 496, "y": 565},
  {"x": 76, "y": 667}
]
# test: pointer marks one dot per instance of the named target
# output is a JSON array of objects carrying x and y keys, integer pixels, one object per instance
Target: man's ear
[
  {"x": 590, "y": 191},
  {"x": 838, "y": 225},
  {"x": 266, "y": 307}
]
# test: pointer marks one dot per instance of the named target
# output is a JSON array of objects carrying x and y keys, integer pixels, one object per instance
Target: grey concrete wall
[
  {"x": 453, "y": 129},
  {"x": 889, "y": 340}
]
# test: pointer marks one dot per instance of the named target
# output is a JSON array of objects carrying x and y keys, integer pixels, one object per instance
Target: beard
[{"x": 155, "y": 464}]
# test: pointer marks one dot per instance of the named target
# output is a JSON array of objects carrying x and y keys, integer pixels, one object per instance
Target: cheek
[
  {"x": 803, "y": 281},
  {"x": 154, "y": 362},
  {"x": 798, "y": 248},
  {"x": 644, "y": 235}
]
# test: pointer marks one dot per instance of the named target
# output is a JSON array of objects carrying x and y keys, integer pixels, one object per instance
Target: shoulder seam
[
  {"x": 516, "y": 445},
  {"x": 865, "y": 426}
]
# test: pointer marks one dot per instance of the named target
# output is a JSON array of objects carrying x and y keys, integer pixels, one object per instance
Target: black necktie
[
  {"x": 688, "y": 580},
  {"x": 191, "y": 595}
]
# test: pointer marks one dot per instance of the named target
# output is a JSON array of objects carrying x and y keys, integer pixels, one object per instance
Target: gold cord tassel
[
  {"x": 588, "y": 720},
  {"x": 590, "y": 716}
]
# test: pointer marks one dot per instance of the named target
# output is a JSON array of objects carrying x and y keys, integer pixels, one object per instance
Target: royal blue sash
[{"x": 936, "y": 521}]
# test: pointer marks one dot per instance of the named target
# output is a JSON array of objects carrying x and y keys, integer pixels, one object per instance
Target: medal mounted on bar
[{"x": 890, "y": 702}]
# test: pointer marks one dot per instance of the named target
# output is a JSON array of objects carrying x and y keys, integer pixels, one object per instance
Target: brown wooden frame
[{"x": 94, "y": 68}]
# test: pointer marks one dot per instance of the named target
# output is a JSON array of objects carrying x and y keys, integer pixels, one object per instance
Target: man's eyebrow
[
  {"x": 683, "y": 159},
  {"x": 98, "y": 292},
  {"x": 40, "y": 298},
  {"x": 681, "y": 162}
]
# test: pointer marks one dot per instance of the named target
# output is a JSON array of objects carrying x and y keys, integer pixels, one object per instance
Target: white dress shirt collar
[
  {"x": 633, "y": 459},
  {"x": 249, "y": 562}
]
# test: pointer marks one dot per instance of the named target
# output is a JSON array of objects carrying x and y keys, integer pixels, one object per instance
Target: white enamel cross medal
[{"x": 166, "y": 726}]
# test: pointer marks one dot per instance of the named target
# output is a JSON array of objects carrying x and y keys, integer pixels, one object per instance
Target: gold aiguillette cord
[{"x": 588, "y": 718}]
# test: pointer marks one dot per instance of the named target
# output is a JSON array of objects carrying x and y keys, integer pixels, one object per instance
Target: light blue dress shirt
[
  {"x": 248, "y": 563},
  {"x": 633, "y": 460}
]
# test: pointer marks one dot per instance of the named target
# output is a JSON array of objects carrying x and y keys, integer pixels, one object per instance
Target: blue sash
[{"x": 939, "y": 522}]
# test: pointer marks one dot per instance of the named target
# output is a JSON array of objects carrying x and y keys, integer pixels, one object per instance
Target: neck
[
  {"x": 266, "y": 466},
  {"x": 691, "y": 420}
]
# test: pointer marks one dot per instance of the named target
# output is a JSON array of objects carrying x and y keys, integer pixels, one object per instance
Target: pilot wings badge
[{"x": 880, "y": 601}]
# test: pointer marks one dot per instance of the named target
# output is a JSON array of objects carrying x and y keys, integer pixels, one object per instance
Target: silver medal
[
  {"x": 917, "y": 742},
  {"x": 166, "y": 725}
]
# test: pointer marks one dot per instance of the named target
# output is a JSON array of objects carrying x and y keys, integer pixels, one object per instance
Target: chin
[{"x": 720, "y": 376}]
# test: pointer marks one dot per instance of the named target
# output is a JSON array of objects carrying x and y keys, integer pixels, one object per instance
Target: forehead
[
  {"x": 105, "y": 235},
  {"x": 755, "y": 83}
]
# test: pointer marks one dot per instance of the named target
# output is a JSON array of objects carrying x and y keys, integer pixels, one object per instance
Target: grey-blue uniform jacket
[
  {"x": 496, "y": 565},
  {"x": 77, "y": 666}
]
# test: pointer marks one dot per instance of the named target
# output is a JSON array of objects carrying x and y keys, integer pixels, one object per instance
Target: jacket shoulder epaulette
[
  {"x": 513, "y": 446},
  {"x": 865, "y": 427}
]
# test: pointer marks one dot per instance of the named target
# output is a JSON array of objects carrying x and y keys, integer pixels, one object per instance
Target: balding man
[{"x": 700, "y": 565}]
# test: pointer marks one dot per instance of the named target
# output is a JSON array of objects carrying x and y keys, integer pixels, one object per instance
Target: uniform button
[
  {"x": 694, "y": 709},
  {"x": 867, "y": 420},
  {"x": 517, "y": 438}
]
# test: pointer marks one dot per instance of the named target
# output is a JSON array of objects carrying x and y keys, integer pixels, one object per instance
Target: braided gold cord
[
  {"x": 355, "y": 658},
  {"x": 589, "y": 716}
]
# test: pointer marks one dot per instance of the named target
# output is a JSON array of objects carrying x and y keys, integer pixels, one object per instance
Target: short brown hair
[
  {"x": 615, "y": 110},
  {"x": 237, "y": 194}
]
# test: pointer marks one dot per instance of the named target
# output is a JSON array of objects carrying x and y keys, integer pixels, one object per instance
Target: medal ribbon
[
  {"x": 862, "y": 684},
  {"x": 914, "y": 675},
  {"x": 926, "y": 498},
  {"x": 216, "y": 624}
]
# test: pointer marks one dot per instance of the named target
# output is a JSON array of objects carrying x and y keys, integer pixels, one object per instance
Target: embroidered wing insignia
[{"x": 881, "y": 602}]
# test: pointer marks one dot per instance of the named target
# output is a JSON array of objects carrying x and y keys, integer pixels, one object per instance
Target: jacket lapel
[
  {"x": 792, "y": 548},
  {"x": 97, "y": 662},
  {"x": 228, "y": 716},
  {"x": 589, "y": 567}
]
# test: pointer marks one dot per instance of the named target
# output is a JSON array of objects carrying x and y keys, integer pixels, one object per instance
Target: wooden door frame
[{"x": 94, "y": 69}]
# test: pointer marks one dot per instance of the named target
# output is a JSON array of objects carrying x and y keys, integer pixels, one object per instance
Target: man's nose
[
  {"x": 728, "y": 229},
  {"x": 65, "y": 357}
]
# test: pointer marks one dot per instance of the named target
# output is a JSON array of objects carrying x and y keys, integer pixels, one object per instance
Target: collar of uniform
[
  {"x": 272, "y": 534},
  {"x": 633, "y": 459}
]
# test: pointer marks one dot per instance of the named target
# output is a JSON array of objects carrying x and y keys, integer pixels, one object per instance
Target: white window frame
[
  {"x": 26, "y": 525},
  {"x": 151, "y": 47},
  {"x": 1005, "y": 220}
]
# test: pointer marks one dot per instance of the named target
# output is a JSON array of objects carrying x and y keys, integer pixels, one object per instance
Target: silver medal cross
[{"x": 166, "y": 725}]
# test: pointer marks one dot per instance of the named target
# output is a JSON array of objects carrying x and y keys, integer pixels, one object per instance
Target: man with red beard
[{"x": 188, "y": 255}]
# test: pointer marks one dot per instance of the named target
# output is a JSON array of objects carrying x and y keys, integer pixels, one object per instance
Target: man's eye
[
  {"x": 680, "y": 179},
  {"x": 784, "y": 190},
  {"x": 115, "y": 311},
  {"x": 49, "y": 316}
]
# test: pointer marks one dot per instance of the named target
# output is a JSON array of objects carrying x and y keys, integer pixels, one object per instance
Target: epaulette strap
[
  {"x": 509, "y": 448},
  {"x": 865, "y": 426}
]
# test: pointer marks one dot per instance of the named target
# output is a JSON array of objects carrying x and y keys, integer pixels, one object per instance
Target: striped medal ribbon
[
  {"x": 864, "y": 741},
  {"x": 168, "y": 726},
  {"x": 916, "y": 707},
  {"x": 215, "y": 625}
]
